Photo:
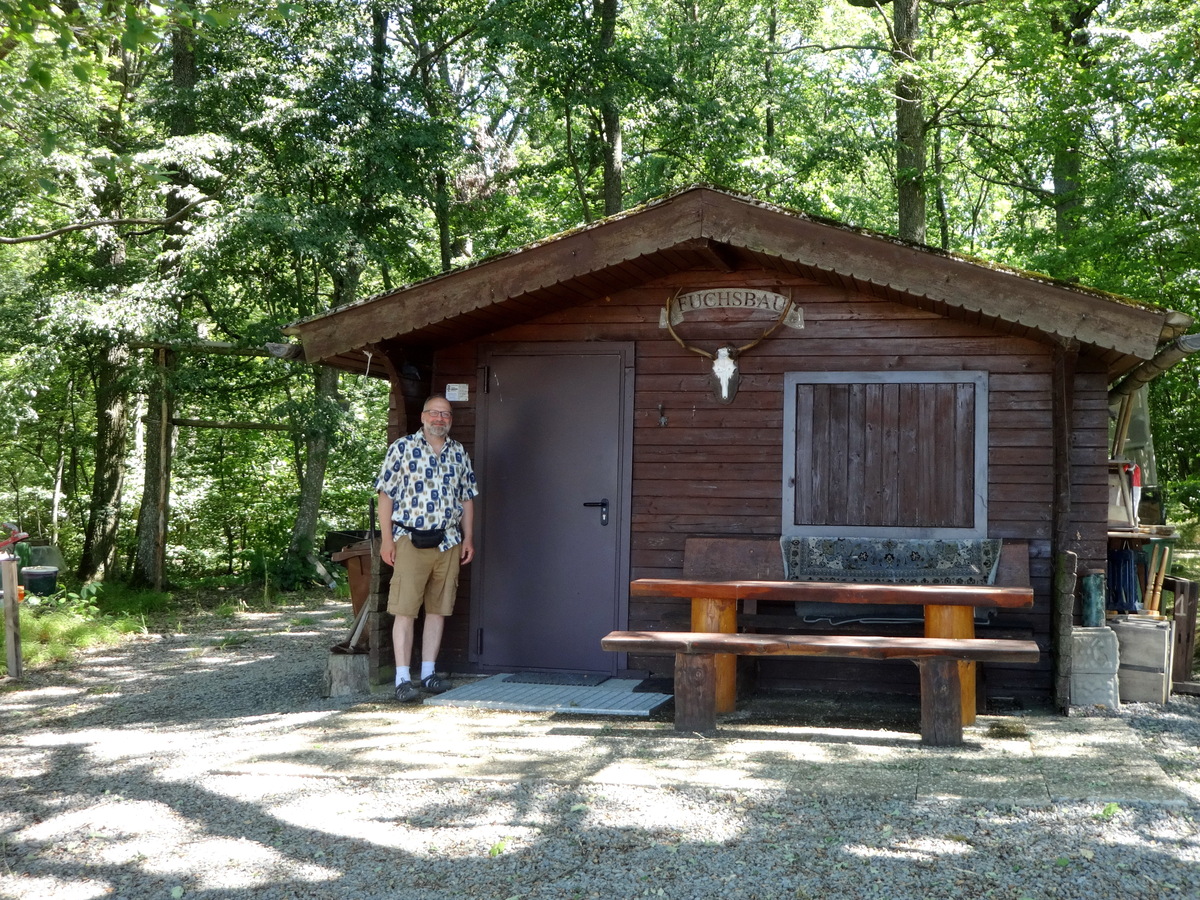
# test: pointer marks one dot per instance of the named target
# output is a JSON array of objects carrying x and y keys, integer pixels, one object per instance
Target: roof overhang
[{"x": 704, "y": 227}]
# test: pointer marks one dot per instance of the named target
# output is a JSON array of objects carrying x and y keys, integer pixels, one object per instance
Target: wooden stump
[{"x": 346, "y": 674}]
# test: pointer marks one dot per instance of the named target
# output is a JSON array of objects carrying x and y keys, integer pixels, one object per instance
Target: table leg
[
  {"x": 694, "y": 702},
  {"x": 720, "y": 616},
  {"x": 956, "y": 622},
  {"x": 941, "y": 691}
]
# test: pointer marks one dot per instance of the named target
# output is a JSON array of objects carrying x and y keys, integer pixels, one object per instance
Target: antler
[
  {"x": 679, "y": 340},
  {"x": 740, "y": 350}
]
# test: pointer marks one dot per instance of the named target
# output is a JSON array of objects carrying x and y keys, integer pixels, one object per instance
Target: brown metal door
[{"x": 553, "y": 455}]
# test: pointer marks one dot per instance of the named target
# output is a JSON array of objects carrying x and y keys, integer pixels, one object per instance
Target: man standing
[{"x": 426, "y": 512}]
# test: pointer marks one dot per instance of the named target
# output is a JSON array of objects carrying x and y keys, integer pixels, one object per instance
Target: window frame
[{"x": 965, "y": 376}]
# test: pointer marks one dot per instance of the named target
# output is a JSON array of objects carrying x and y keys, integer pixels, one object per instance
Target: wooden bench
[
  {"x": 949, "y": 612},
  {"x": 756, "y": 558},
  {"x": 937, "y": 658}
]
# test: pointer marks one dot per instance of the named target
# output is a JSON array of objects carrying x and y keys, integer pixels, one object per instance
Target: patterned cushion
[{"x": 890, "y": 561}]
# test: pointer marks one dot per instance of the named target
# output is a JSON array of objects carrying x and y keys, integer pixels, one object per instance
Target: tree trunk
[
  {"x": 112, "y": 428},
  {"x": 316, "y": 459},
  {"x": 318, "y": 433},
  {"x": 1067, "y": 162},
  {"x": 610, "y": 110},
  {"x": 910, "y": 122},
  {"x": 769, "y": 78},
  {"x": 149, "y": 569}
]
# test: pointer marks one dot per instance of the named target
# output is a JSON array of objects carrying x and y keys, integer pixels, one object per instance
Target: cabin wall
[
  {"x": 716, "y": 469},
  {"x": 1089, "y": 468}
]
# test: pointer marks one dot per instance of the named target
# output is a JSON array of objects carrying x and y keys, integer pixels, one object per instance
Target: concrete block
[
  {"x": 1094, "y": 650},
  {"x": 1146, "y": 646},
  {"x": 1095, "y": 660}
]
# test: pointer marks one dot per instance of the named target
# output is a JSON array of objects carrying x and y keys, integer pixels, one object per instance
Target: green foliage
[
  {"x": 54, "y": 628},
  {"x": 329, "y": 159}
]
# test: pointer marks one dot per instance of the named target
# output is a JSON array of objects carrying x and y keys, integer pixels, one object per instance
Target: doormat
[
  {"x": 569, "y": 679},
  {"x": 614, "y": 697}
]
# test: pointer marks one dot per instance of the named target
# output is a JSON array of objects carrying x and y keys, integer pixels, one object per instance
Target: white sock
[
  {"x": 402, "y": 675},
  {"x": 426, "y": 670}
]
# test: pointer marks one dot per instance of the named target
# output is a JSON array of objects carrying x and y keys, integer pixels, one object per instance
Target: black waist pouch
[{"x": 426, "y": 538}]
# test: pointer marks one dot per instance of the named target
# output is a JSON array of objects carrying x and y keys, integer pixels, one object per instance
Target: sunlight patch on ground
[
  {"x": 64, "y": 889},
  {"x": 119, "y": 832}
]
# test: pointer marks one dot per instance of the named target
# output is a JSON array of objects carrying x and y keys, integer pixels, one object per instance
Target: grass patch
[
  {"x": 57, "y": 635},
  {"x": 232, "y": 641},
  {"x": 1007, "y": 731},
  {"x": 55, "y": 628}
]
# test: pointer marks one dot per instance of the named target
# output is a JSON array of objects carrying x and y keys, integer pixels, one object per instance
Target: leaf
[
  {"x": 498, "y": 848},
  {"x": 176, "y": 892},
  {"x": 42, "y": 75},
  {"x": 579, "y": 807},
  {"x": 1087, "y": 854},
  {"x": 1062, "y": 861}
]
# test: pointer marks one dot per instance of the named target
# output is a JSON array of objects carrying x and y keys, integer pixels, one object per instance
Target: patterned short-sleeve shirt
[{"x": 428, "y": 489}]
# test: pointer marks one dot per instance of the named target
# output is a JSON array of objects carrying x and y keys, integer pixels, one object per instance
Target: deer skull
[{"x": 726, "y": 375}]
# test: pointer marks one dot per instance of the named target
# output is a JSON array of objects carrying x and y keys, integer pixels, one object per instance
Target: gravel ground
[{"x": 205, "y": 764}]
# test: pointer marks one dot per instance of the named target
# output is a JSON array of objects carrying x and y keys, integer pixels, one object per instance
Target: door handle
[{"x": 603, "y": 504}]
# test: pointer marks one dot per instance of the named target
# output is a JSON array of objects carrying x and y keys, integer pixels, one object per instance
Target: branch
[
  {"x": 100, "y": 223},
  {"x": 221, "y": 348},
  {"x": 243, "y": 426},
  {"x": 828, "y": 48}
]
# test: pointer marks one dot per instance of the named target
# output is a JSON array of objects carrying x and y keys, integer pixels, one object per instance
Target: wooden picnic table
[{"x": 949, "y": 612}]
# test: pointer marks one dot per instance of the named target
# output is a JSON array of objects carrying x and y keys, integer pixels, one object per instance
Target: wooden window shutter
[{"x": 886, "y": 454}]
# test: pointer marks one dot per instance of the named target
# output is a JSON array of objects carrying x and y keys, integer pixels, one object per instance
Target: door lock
[{"x": 603, "y": 504}]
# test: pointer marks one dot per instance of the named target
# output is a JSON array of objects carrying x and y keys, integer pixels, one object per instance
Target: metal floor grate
[{"x": 614, "y": 697}]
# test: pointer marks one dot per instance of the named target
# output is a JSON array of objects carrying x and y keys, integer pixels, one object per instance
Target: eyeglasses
[{"x": 439, "y": 413}]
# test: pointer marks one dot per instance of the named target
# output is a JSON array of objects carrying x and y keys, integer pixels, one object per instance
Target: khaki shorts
[{"x": 428, "y": 577}]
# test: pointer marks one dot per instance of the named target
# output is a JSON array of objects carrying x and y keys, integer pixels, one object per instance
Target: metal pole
[{"x": 12, "y": 622}]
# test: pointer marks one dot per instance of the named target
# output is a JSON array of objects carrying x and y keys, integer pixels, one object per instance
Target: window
[{"x": 885, "y": 454}]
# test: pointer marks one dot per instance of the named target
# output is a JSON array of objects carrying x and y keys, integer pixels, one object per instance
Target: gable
[{"x": 705, "y": 228}]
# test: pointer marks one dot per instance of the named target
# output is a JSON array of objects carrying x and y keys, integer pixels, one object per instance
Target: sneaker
[
  {"x": 406, "y": 693},
  {"x": 434, "y": 685}
]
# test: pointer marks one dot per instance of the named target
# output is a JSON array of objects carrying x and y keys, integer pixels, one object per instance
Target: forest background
[{"x": 179, "y": 180}]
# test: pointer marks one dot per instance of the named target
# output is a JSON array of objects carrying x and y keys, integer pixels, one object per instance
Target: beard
[{"x": 437, "y": 429}]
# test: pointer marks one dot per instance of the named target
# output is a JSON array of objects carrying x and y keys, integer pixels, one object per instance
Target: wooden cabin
[{"x": 881, "y": 389}]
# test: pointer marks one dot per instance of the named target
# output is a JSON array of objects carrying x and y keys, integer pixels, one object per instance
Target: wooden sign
[{"x": 732, "y": 298}]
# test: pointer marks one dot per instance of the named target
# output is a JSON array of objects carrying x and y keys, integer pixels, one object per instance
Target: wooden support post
[
  {"x": 695, "y": 692},
  {"x": 956, "y": 622},
  {"x": 941, "y": 703},
  {"x": 12, "y": 621},
  {"x": 720, "y": 616},
  {"x": 1062, "y": 619}
]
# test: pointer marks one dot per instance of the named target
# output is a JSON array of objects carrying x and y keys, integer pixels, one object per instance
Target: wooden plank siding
[
  {"x": 714, "y": 469},
  {"x": 884, "y": 455}
]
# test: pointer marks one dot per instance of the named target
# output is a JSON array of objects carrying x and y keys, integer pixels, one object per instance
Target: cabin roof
[{"x": 710, "y": 228}]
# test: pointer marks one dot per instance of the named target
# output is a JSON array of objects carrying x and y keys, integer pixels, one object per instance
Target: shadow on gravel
[
  {"x": 89, "y": 829},
  {"x": 369, "y": 800}
]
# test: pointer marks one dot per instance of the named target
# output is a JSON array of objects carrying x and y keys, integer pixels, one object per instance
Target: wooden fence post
[{"x": 12, "y": 622}]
